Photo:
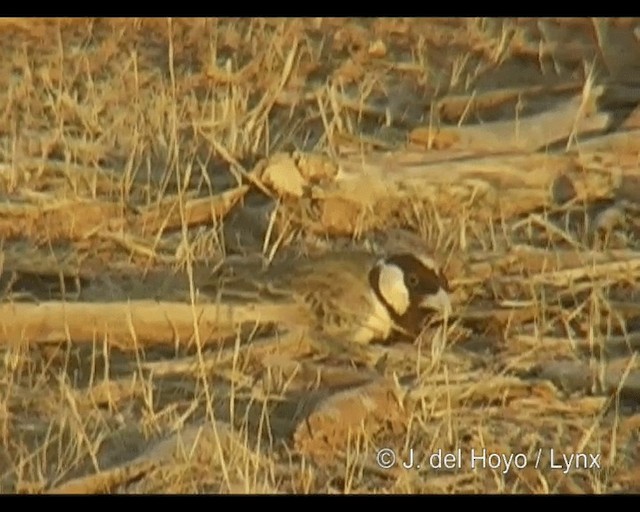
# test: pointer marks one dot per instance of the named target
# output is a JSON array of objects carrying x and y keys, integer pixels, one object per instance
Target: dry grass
[{"x": 136, "y": 153}]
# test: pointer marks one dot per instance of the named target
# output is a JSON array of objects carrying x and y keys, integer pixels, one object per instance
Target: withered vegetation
[{"x": 138, "y": 155}]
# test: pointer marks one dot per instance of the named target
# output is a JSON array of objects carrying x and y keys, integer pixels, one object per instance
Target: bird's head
[{"x": 412, "y": 288}]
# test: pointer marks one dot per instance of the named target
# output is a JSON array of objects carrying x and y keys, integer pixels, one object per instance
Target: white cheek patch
[{"x": 392, "y": 287}]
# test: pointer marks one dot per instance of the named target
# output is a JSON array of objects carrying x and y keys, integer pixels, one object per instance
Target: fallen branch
[{"x": 130, "y": 322}]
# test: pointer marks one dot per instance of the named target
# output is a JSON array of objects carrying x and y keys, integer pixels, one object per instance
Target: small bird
[{"x": 352, "y": 297}]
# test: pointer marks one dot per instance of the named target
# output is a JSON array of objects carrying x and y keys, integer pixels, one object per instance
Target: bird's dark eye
[{"x": 413, "y": 280}]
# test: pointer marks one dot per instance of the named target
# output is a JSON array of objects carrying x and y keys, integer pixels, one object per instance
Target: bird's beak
[{"x": 439, "y": 302}]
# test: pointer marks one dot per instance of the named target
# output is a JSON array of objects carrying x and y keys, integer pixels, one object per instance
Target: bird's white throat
[{"x": 439, "y": 302}]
